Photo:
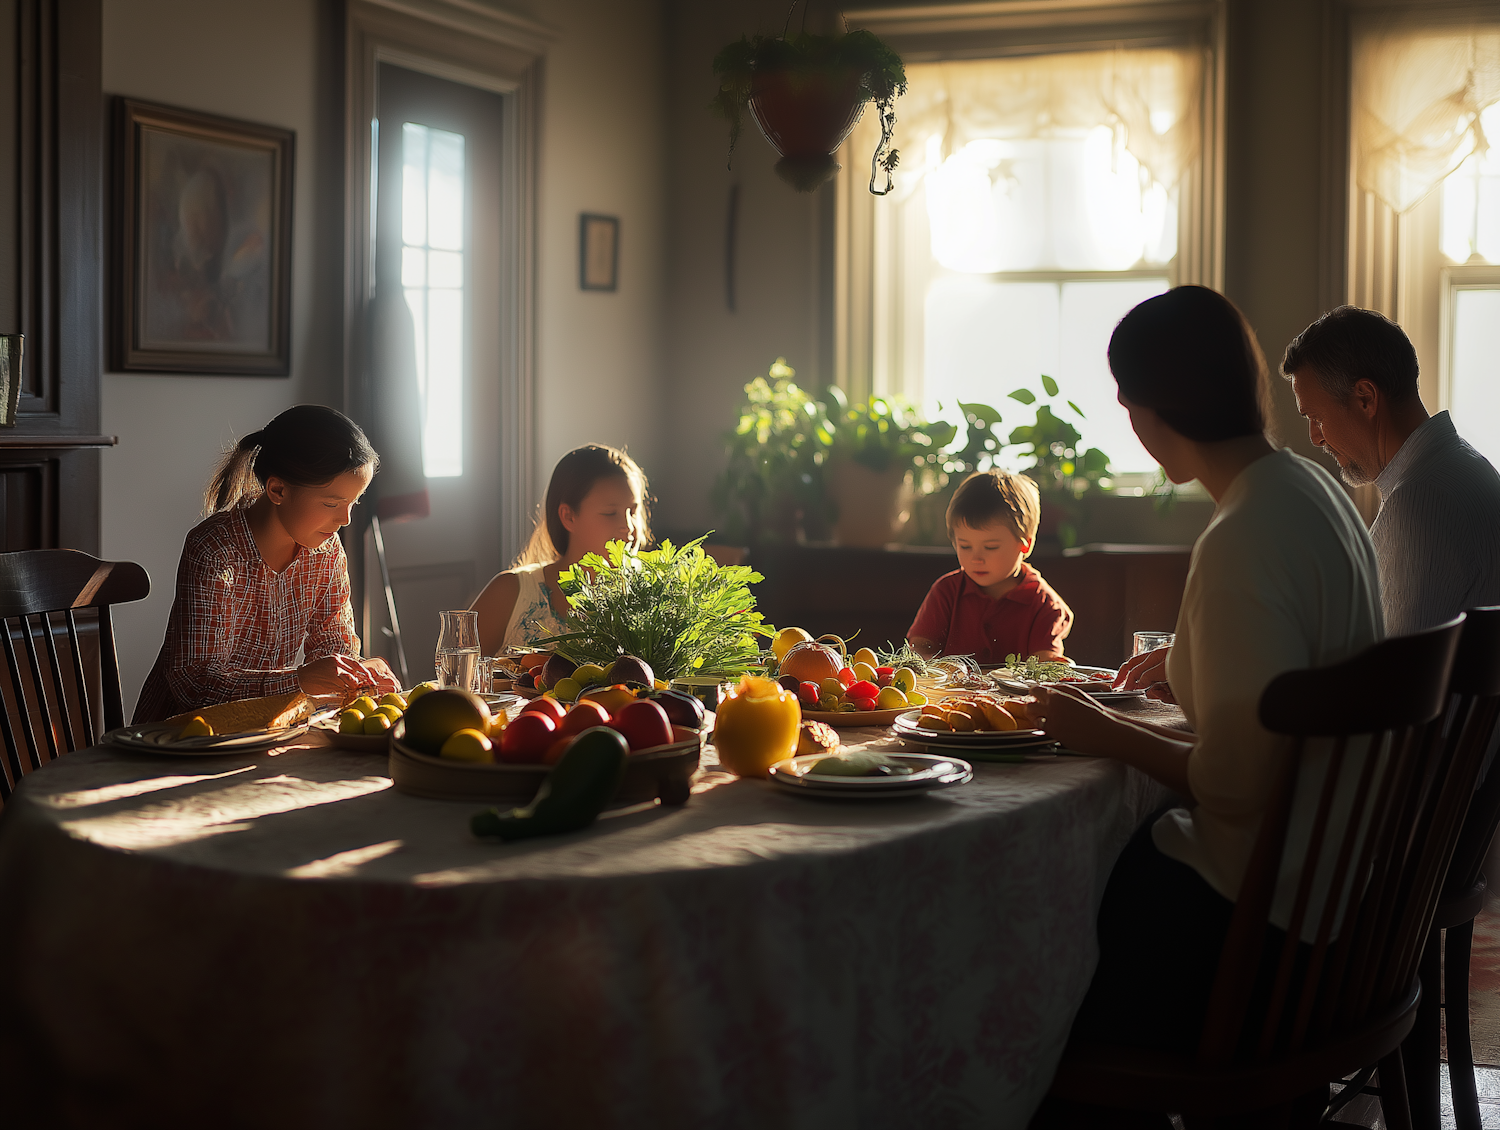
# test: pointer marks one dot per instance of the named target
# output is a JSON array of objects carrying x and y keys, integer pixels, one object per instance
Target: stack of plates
[
  {"x": 162, "y": 737},
  {"x": 980, "y": 745},
  {"x": 927, "y": 773}
]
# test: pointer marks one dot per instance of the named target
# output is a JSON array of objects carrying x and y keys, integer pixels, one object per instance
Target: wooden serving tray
[{"x": 664, "y": 771}]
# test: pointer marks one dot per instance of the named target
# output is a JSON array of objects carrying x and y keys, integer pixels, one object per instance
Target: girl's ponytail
[
  {"x": 234, "y": 479},
  {"x": 307, "y": 445}
]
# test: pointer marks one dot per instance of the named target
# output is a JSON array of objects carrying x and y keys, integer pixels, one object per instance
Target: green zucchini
[{"x": 574, "y": 793}]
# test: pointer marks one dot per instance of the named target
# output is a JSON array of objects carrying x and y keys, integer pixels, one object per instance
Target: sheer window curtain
[{"x": 1419, "y": 85}]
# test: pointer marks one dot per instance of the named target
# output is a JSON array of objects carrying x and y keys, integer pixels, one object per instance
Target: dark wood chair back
[
  {"x": 1379, "y": 717},
  {"x": 35, "y": 586},
  {"x": 1476, "y": 703}
]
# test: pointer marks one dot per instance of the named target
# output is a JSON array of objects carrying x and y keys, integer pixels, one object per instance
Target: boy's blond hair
[{"x": 989, "y": 495}]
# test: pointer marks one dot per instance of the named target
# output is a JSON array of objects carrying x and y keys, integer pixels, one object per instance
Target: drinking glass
[
  {"x": 457, "y": 658},
  {"x": 1150, "y": 641}
]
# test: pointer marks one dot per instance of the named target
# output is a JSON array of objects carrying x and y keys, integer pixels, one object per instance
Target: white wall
[{"x": 278, "y": 62}]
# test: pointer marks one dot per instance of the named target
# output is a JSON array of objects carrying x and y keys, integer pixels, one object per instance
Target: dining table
[{"x": 284, "y": 939}]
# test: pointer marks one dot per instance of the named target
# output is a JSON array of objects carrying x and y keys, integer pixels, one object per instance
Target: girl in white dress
[{"x": 597, "y": 495}]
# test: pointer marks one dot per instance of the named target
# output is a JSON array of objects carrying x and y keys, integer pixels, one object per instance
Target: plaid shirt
[{"x": 236, "y": 626}]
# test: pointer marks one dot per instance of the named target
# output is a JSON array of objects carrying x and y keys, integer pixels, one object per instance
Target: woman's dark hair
[
  {"x": 1348, "y": 345},
  {"x": 307, "y": 445},
  {"x": 1190, "y": 356},
  {"x": 572, "y": 479}
]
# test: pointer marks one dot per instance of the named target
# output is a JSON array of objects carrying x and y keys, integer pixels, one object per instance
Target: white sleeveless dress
[{"x": 532, "y": 619}]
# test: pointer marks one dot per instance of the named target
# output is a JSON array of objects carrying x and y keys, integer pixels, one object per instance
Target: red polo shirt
[{"x": 962, "y": 620}]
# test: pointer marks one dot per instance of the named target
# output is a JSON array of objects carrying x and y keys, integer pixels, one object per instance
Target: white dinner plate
[
  {"x": 928, "y": 773},
  {"x": 977, "y": 749},
  {"x": 1115, "y": 696},
  {"x": 908, "y": 726},
  {"x": 162, "y": 737}
]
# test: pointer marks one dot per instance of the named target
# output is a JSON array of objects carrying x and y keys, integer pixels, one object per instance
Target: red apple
[
  {"x": 584, "y": 716},
  {"x": 643, "y": 724},
  {"x": 809, "y": 693},
  {"x": 548, "y": 707},
  {"x": 526, "y": 739}
]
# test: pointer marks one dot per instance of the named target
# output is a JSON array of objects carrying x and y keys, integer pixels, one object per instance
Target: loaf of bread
[{"x": 271, "y": 713}]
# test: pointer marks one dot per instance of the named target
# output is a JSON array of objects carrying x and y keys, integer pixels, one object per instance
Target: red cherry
[
  {"x": 884, "y": 675},
  {"x": 861, "y": 703},
  {"x": 847, "y": 676},
  {"x": 863, "y": 689},
  {"x": 809, "y": 693}
]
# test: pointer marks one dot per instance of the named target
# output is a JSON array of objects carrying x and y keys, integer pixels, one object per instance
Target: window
[
  {"x": 1425, "y": 204},
  {"x": 1039, "y": 198},
  {"x": 432, "y": 276}
]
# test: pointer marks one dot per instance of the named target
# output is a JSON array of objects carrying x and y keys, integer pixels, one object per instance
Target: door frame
[{"x": 491, "y": 50}]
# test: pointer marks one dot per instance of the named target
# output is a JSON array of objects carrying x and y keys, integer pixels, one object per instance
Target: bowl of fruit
[
  {"x": 365, "y": 724},
  {"x": 844, "y": 690},
  {"x": 448, "y": 745}
]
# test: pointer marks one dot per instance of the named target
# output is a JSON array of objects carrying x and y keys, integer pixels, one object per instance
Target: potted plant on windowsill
[
  {"x": 806, "y": 92},
  {"x": 773, "y": 484},
  {"x": 883, "y": 453},
  {"x": 1064, "y": 471}
]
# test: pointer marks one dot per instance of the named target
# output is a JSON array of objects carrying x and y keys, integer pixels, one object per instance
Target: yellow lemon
[
  {"x": 419, "y": 690},
  {"x": 468, "y": 745},
  {"x": 376, "y": 723},
  {"x": 786, "y": 639},
  {"x": 393, "y": 699},
  {"x": 364, "y": 704},
  {"x": 891, "y": 698},
  {"x": 865, "y": 655},
  {"x": 391, "y": 712},
  {"x": 351, "y": 722},
  {"x": 498, "y": 724},
  {"x": 567, "y": 690},
  {"x": 197, "y": 728},
  {"x": 916, "y": 698},
  {"x": 865, "y": 671},
  {"x": 905, "y": 678}
]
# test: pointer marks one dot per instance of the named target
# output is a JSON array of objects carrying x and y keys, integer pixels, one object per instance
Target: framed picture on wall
[
  {"x": 202, "y": 243},
  {"x": 598, "y": 252}
]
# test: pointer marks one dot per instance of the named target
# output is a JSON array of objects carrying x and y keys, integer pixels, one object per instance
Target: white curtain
[
  {"x": 1152, "y": 99},
  {"x": 1416, "y": 96}
]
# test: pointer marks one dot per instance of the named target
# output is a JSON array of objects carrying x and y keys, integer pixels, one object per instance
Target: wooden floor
[{"x": 1365, "y": 1110}]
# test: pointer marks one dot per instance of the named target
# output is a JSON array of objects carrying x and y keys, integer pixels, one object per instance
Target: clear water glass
[
  {"x": 457, "y": 658},
  {"x": 1150, "y": 641}
]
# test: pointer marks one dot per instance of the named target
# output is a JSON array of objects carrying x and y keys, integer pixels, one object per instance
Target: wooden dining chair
[
  {"x": 1347, "y": 999},
  {"x": 1474, "y": 704},
  {"x": 55, "y": 714}
]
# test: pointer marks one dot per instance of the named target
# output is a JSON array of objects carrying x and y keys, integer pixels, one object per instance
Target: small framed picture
[
  {"x": 598, "y": 252},
  {"x": 202, "y": 243}
]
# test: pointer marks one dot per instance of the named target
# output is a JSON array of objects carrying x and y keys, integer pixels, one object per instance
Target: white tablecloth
[{"x": 286, "y": 941}]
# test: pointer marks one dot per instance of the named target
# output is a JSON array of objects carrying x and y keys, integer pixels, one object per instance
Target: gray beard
[{"x": 1352, "y": 473}]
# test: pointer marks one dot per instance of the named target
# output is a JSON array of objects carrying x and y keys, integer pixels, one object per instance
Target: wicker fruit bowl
[{"x": 664, "y": 771}]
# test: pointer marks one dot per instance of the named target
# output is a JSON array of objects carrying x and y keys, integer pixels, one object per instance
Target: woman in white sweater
[{"x": 1283, "y": 578}]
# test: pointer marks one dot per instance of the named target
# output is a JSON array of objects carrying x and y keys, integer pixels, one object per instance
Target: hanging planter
[{"x": 806, "y": 92}]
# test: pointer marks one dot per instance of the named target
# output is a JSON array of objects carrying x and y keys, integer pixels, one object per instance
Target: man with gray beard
[{"x": 1437, "y": 536}]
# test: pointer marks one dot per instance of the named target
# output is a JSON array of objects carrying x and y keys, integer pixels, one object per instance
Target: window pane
[
  {"x": 1090, "y": 312},
  {"x": 432, "y": 208},
  {"x": 984, "y": 338},
  {"x": 1475, "y": 390},
  {"x": 1471, "y": 202},
  {"x": 1059, "y": 203}
]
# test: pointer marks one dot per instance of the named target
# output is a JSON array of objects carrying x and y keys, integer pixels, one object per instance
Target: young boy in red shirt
[{"x": 994, "y": 604}]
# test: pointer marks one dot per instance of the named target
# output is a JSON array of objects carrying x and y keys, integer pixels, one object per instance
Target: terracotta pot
[
  {"x": 873, "y": 505},
  {"x": 805, "y": 115}
]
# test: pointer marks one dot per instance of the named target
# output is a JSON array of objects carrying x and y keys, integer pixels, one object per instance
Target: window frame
[
  {"x": 870, "y": 355},
  {"x": 1452, "y": 279},
  {"x": 1371, "y": 256}
]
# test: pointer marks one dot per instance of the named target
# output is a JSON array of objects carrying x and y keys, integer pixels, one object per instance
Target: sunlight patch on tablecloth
[{"x": 185, "y": 819}]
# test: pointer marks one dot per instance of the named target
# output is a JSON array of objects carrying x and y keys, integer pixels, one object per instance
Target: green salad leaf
[
  {"x": 676, "y": 608},
  {"x": 1032, "y": 669}
]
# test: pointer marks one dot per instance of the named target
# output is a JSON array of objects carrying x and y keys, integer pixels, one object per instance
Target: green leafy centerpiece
[{"x": 676, "y": 608}]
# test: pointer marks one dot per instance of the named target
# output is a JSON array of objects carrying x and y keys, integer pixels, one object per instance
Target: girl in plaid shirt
[{"x": 262, "y": 602}]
